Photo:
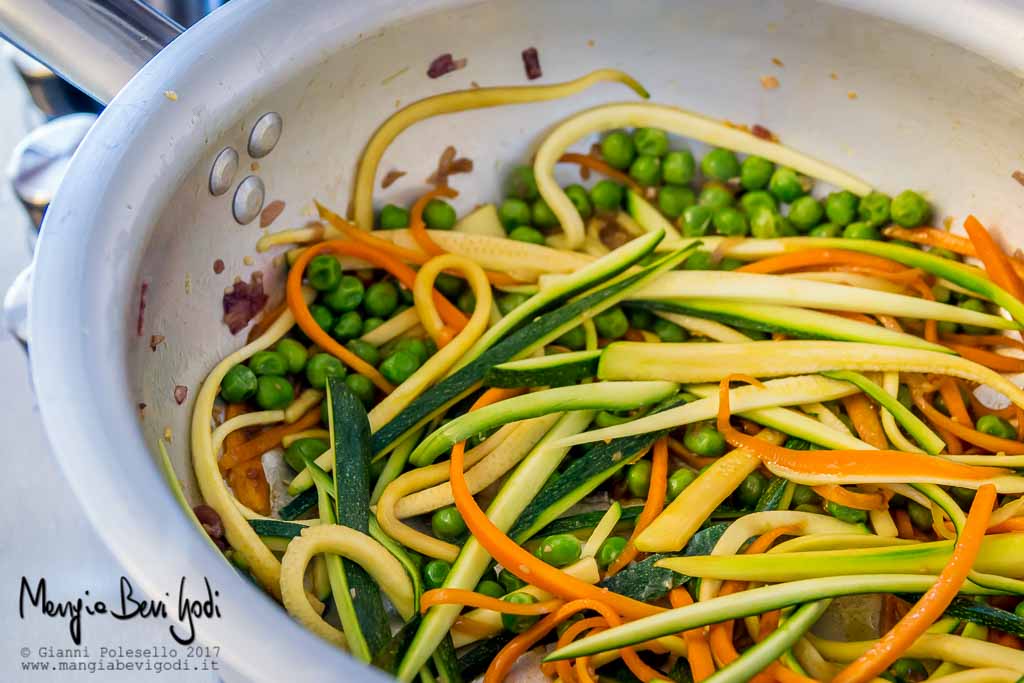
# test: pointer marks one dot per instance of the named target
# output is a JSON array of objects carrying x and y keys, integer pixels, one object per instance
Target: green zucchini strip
[
  {"x": 929, "y": 440},
  {"x": 980, "y": 613},
  {"x": 780, "y": 392},
  {"x": 1001, "y": 553},
  {"x": 395, "y": 465},
  {"x": 403, "y": 557},
  {"x": 560, "y": 369},
  {"x": 891, "y": 384},
  {"x": 747, "y": 603},
  {"x": 779, "y": 290},
  {"x": 687, "y": 364},
  {"x": 603, "y": 530},
  {"x": 967, "y": 652},
  {"x": 472, "y": 561},
  {"x": 759, "y": 656},
  {"x": 837, "y": 542},
  {"x": 704, "y": 327},
  {"x": 672, "y": 120},
  {"x": 798, "y": 322},
  {"x": 648, "y": 218},
  {"x": 596, "y": 396}
]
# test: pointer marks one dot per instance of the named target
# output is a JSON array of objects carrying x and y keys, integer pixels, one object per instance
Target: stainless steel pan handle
[{"x": 98, "y": 45}]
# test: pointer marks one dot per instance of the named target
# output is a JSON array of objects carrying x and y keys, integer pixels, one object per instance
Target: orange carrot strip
[
  {"x": 564, "y": 667},
  {"x": 237, "y": 437},
  {"x": 865, "y": 420},
  {"x": 457, "y": 596},
  {"x": 515, "y": 558},
  {"x": 602, "y": 168},
  {"x": 769, "y": 622},
  {"x": 816, "y": 257},
  {"x": 698, "y": 652},
  {"x": 934, "y": 237},
  {"x": 352, "y": 232},
  {"x": 933, "y": 603},
  {"x": 989, "y": 359},
  {"x": 997, "y": 263},
  {"x": 979, "y": 409},
  {"x": 249, "y": 483},
  {"x": 895, "y": 464},
  {"x": 890, "y": 323},
  {"x": 853, "y": 315},
  {"x": 265, "y": 440},
  {"x": 1010, "y": 525},
  {"x": 266, "y": 320},
  {"x": 983, "y": 340},
  {"x": 418, "y": 228},
  {"x": 950, "y": 393},
  {"x": 851, "y": 499},
  {"x": 1005, "y": 639},
  {"x": 904, "y": 526},
  {"x": 653, "y": 506},
  {"x": 993, "y": 444}
]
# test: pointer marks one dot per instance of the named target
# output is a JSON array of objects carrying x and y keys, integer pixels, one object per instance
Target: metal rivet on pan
[
  {"x": 225, "y": 166},
  {"x": 265, "y": 134},
  {"x": 248, "y": 201}
]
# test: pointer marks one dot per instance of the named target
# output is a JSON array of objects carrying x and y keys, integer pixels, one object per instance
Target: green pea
[
  {"x": 370, "y": 324},
  {"x": 652, "y": 141},
  {"x": 346, "y": 296},
  {"x": 1019, "y": 609},
  {"x": 996, "y": 426},
  {"x": 804, "y": 495},
  {"x": 699, "y": 260},
  {"x": 239, "y": 384},
  {"x": 393, "y": 217},
  {"x": 439, "y": 215},
  {"x": 977, "y": 306},
  {"x": 509, "y": 581},
  {"x": 510, "y": 301},
  {"x": 559, "y": 550},
  {"x": 874, "y": 209},
  {"x": 491, "y": 589},
  {"x": 406, "y": 297},
  {"x": 611, "y": 323},
  {"x": 909, "y": 209},
  {"x": 381, "y": 299},
  {"x": 416, "y": 347},
  {"x": 787, "y": 229},
  {"x": 323, "y": 273},
  {"x": 729, "y": 263},
  {"x": 268, "y": 363},
  {"x": 673, "y": 200},
  {"x": 524, "y": 233},
  {"x": 320, "y": 367},
  {"x": 577, "y": 194},
  {"x": 750, "y": 490},
  {"x": 447, "y": 524},
  {"x": 638, "y": 478},
  {"x": 542, "y": 215},
  {"x": 825, "y": 230},
  {"x": 720, "y": 164},
  {"x": 605, "y": 418},
  {"x": 861, "y": 231},
  {"x": 920, "y": 516},
  {"x": 522, "y": 184},
  {"x": 273, "y": 392},
  {"x": 841, "y": 207},
  {"x": 299, "y": 451},
  {"x": 752, "y": 201},
  {"x": 678, "y": 167},
  {"x": 755, "y": 172},
  {"x": 514, "y": 212},
  {"x": 696, "y": 221},
  {"x": 808, "y": 507},
  {"x": 705, "y": 441},
  {"x": 678, "y": 481},
  {"x": 606, "y": 195},
  {"x": 399, "y": 366},
  {"x": 964, "y": 497},
  {"x": 294, "y": 353},
  {"x": 364, "y": 349},
  {"x": 766, "y": 223},
  {"x": 805, "y": 213},
  {"x": 668, "y": 331},
  {"x": 787, "y": 185},
  {"x": 449, "y": 285},
  {"x": 641, "y": 318},
  {"x": 845, "y": 514},
  {"x": 322, "y": 316},
  {"x": 908, "y": 670},
  {"x": 618, "y": 150},
  {"x": 514, "y": 622},
  {"x": 646, "y": 170},
  {"x": 610, "y": 550},
  {"x": 348, "y": 326},
  {"x": 730, "y": 221},
  {"x": 435, "y": 573},
  {"x": 575, "y": 339},
  {"x": 466, "y": 301},
  {"x": 715, "y": 196},
  {"x": 361, "y": 386}
]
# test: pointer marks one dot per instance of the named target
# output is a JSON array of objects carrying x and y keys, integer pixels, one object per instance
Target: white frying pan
[{"x": 926, "y": 95}]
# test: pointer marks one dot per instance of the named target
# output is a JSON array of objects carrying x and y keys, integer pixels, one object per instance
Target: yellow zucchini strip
[
  {"x": 712, "y": 329},
  {"x": 686, "y": 364},
  {"x": 460, "y": 100},
  {"x": 672, "y": 120},
  {"x": 850, "y": 279},
  {"x": 380, "y": 564},
  {"x": 891, "y": 384},
  {"x": 966, "y": 652},
  {"x": 883, "y": 523},
  {"x": 603, "y": 530},
  {"x": 487, "y": 471},
  {"x": 308, "y": 399},
  {"x": 812, "y": 661},
  {"x": 526, "y": 435},
  {"x": 289, "y": 439},
  {"x": 244, "y": 421},
  {"x": 679, "y": 521},
  {"x": 837, "y": 542},
  {"x": 393, "y": 327},
  {"x": 262, "y": 563},
  {"x": 313, "y": 232},
  {"x": 826, "y": 417},
  {"x": 982, "y": 675}
]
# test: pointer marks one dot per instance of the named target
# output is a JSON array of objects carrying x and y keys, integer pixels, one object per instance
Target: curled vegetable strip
[
  {"x": 353, "y": 545},
  {"x": 243, "y": 421},
  {"x": 958, "y": 650},
  {"x": 673, "y": 120},
  {"x": 447, "y": 103},
  {"x": 262, "y": 563}
]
